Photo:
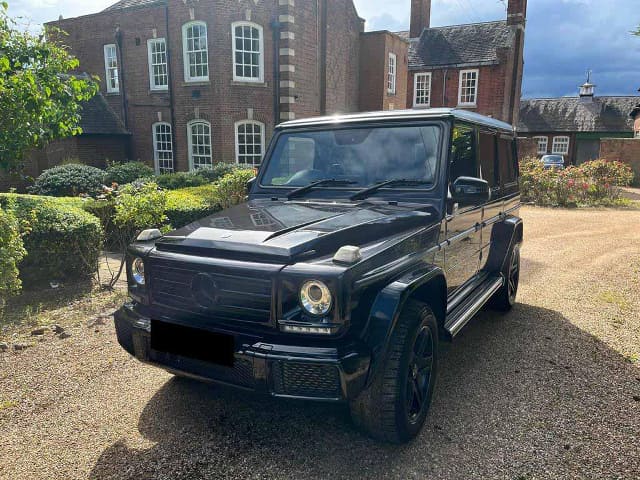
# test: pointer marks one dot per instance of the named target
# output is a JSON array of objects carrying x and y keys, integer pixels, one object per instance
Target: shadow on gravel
[{"x": 523, "y": 395}]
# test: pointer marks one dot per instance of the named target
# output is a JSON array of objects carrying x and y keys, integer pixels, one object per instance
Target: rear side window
[
  {"x": 508, "y": 161},
  {"x": 489, "y": 167}
]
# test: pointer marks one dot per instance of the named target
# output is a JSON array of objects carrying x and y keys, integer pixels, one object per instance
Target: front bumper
[{"x": 292, "y": 371}]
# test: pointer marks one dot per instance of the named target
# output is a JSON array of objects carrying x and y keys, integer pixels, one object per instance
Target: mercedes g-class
[{"x": 366, "y": 240}]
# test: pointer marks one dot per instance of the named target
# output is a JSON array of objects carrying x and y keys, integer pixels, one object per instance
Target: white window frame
[
  {"x": 392, "y": 74},
  {"x": 152, "y": 78},
  {"x": 262, "y": 140},
  {"x": 108, "y": 68},
  {"x": 241, "y": 78},
  {"x": 190, "y": 126},
  {"x": 560, "y": 141},
  {"x": 157, "y": 151},
  {"x": 427, "y": 77},
  {"x": 463, "y": 73},
  {"x": 185, "y": 52},
  {"x": 542, "y": 141}
]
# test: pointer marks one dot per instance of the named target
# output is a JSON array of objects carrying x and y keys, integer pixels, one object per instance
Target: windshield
[
  {"x": 553, "y": 159},
  {"x": 360, "y": 157}
]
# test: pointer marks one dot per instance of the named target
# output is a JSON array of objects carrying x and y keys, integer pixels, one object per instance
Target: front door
[{"x": 462, "y": 257}]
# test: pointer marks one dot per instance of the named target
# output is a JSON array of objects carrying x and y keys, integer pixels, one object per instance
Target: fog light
[{"x": 137, "y": 271}]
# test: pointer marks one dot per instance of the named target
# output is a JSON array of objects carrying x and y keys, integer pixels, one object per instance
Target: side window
[
  {"x": 464, "y": 154},
  {"x": 489, "y": 159},
  {"x": 508, "y": 161}
]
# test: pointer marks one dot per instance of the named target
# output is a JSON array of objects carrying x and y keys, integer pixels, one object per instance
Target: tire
[
  {"x": 390, "y": 410},
  {"x": 505, "y": 298}
]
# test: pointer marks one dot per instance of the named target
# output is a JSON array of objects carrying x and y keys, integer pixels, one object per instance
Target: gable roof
[
  {"x": 122, "y": 4},
  {"x": 459, "y": 45},
  {"x": 97, "y": 118},
  {"x": 571, "y": 114}
]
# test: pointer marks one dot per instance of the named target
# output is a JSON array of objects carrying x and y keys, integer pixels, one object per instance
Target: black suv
[{"x": 366, "y": 240}]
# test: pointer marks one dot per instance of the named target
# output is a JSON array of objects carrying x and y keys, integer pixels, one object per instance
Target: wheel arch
[
  {"x": 504, "y": 236},
  {"x": 428, "y": 285}
]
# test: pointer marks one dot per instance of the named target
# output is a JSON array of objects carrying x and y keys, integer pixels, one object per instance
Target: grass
[
  {"x": 615, "y": 298},
  {"x": 7, "y": 404},
  {"x": 67, "y": 305}
]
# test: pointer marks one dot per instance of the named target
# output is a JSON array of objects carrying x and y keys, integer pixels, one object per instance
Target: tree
[{"x": 39, "y": 99}]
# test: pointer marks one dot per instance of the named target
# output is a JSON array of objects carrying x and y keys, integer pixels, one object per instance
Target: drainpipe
[
  {"x": 123, "y": 91},
  {"x": 172, "y": 106},
  {"x": 444, "y": 87},
  {"x": 323, "y": 58},
  {"x": 275, "y": 26}
]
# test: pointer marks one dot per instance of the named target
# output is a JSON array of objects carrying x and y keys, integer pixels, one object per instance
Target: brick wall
[
  {"x": 625, "y": 150},
  {"x": 491, "y": 89},
  {"x": 374, "y": 56},
  {"x": 221, "y": 100},
  {"x": 527, "y": 148}
]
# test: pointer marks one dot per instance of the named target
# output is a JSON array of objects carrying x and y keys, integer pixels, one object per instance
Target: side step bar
[{"x": 464, "y": 312}]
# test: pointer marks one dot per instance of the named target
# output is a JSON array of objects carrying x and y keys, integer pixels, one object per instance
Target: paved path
[{"x": 551, "y": 390}]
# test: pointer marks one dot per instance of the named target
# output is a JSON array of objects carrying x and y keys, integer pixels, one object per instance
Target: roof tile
[
  {"x": 472, "y": 44},
  {"x": 571, "y": 114}
]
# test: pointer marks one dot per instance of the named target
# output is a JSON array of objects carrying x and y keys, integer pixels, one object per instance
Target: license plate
[{"x": 193, "y": 343}]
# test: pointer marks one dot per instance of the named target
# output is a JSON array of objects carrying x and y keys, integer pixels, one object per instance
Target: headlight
[
  {"x": 137, "y": 270},
  {"x": 315, "y": 297}
]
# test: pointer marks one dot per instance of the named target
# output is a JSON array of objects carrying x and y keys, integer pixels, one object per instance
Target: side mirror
[
  {"x": 250, "y": 184},
  {"x": 471, "y": 191}
]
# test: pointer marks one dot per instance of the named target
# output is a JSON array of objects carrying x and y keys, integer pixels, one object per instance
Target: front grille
[
  {"x": 240, "y": 374},
  {"x": 306, "y": 380},
  {"x": 225, "y": 295}
]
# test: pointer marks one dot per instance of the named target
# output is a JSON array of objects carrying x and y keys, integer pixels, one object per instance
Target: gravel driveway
[{"x": 550, "y": 390}]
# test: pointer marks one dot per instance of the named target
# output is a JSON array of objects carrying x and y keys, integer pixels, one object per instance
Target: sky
[{"x": 564, "y": 38}]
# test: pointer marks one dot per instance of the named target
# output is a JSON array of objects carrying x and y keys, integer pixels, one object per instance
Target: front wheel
[
  {"x": 505, "y": 298},
  {"x": 395, "y": 406}
]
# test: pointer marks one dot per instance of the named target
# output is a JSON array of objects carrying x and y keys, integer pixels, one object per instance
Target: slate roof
[
  {"x": 97, "y": 118},
  {"x": 459, "y": 45},
  {"x": 572, "y": 114},
  {"x": 122, "y": 4}
]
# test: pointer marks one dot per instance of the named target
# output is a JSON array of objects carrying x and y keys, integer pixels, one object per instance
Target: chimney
[
  {"x": 420, "y": 17},
  {"x": 517, "y": 12},
  {"x": 587, "y": 90}
]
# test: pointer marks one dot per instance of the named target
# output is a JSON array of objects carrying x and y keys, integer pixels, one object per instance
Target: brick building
[
  {"x": 196, "y": 82},
  {"x": 200, "y": 82},
  {"x": 576, "y": 127},
  {"x": 475, "y": 66}
]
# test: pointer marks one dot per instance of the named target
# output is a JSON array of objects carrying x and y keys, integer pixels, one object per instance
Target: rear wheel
[
  {"x": 505, "y": 298},
  {"x": 395, "y": 406}
]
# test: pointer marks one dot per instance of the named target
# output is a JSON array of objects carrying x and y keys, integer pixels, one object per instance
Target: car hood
[{"x": 279, "y": 231}]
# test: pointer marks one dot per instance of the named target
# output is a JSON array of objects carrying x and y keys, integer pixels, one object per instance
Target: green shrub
[
  {"x": 11, "y": 253},
  {"x": 232, "y": 188},
  {"x": 598, "y": 182},
  {"x": 62, "y": 241},
  {"x": 218, "y": 171},
  {"x": 188, "y": 205},
  {"x": 122, "y": 173},
  {"x": 140, "y": 206},
  {"x": 69, "y": 181},
  {"x": 174, "y": 181}
]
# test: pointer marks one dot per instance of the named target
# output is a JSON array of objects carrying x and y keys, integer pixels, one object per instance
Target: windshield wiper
[
  {"x": 319, "y": 183},
  {"x": 402, "y": 182}
]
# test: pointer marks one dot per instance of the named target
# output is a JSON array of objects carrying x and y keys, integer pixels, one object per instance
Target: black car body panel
[{"x": 240, "y": 272}]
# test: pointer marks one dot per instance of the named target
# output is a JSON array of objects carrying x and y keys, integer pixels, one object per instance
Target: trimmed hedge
[
  {"x": 122, "y": 173},
  {"x": 175, "y": 181},
  {"x": 11, "y": 253},
  {"x": 188, "y": 205},
  {"x": 62, "y": 241},
  {"x": 69, "y": 180}
]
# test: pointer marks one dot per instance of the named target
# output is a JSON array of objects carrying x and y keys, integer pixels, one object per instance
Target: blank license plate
[{"x": 193, "y": 343}]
